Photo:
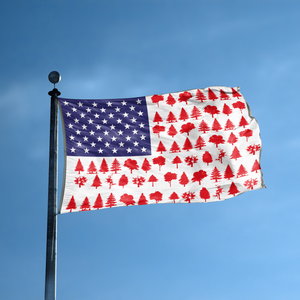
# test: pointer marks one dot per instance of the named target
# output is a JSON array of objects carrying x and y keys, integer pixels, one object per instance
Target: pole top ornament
[{"x": 54, "y": 77}]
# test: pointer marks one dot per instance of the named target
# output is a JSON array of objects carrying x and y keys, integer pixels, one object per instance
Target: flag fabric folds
[{"x": 200, "y": 145}]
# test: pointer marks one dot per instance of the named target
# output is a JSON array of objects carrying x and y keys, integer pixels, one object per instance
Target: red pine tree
[
  {"x": 160, "y": 161},
  {"x": 216, "y": 139},
  {"x": 146, "y": 165},
  {"x": 171, "y": 118},
  {"x": 235, "y": 93},
  {"x": 210, "y": 109},
  {"x": 170, "y": 176},
  {"x": 173, "y": 197},
  {"x": 223, "y": 95},
  {"x": 85, "y": 205},
  {"x": 207, "y": 158},
  {"x": 111, "y": 201},
  {"x": 131, "y": 164},
  {"x": 174, "y": 148},
  {"x": 232, "y": 139},
  {"x": 176, "y": 161},
  {"x": 203, "y": 126},
  {"x": 104, "y": 166},
  {"x": 195, "y": 113},
  {"x": 152, "y": 179},
  {"x": 115, "y": 167},
  {"x": 184, "y": 97},
  {"x": 235, "y": 154},
  {"x": 157, "y": 98},
  {"x": 241, "y": 172},
  {"x": 123, "y": 180},
  {"x": 226, "y": 110},
  {"x": 233, "y": 190},
  {"x": 79, "y": 167},
  {"x": 157, "y": 196},
  {"x": 161, "y": 148},
  {"x": 187, "y": 145},
  {"x": 216, "y": 126},
  {"x": 92, "y": 168},
  {"x": 228, "y": 174},
  {"x": 200, "y": 143},
  {"x": 243, "y": 122},
  {"x": 199, "y": 176},
  {"x": 171, "y": 101},
  {"x": 229, "y": 125},
  {"x": 200, "y": 96},
  {"x": 96, "y": 182},
  {"x": 183, "y": 115},
  {"x": 215, "y": 174},
  {"x": 127, "y": 199},
  {"x": 211, "y": 95},
  {"x": 172, "y": 131},
  {"x": 186, "y": 128},
  {"x": 72, "y": 204},
  {"x": 204, "y": 194},
  {"x": 255, "y": 166},
  {"x": 157, "y": 118},
  {"x": 142, "y": 200},
  {"x": 184, "y": 179},
  {"x": 98, "y": 203}
]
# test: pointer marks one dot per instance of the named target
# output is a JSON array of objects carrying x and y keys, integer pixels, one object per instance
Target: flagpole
[{"x": 50, "y": 278}]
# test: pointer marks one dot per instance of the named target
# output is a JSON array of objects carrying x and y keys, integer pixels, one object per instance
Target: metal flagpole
[{"x": 50, "y": 278}]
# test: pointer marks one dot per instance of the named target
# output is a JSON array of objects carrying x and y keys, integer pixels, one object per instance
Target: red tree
[
  {"x": 200, "y": 143},
  {"x": 96, "y": 182},
  {"x": 188, "y": 196},
  {"x": 160, "y": 161},
  {"x": 186, "y": 128},
  {"x": 72, "y": 204},
  {"x": 123, "y": 181},
  {"x": 226, "y": 110},
  {"x": 250, "y": 183},
  {"x": 171, "y": 118},
  {"x": 104, "y": 166},
  {"x": 174, "y": 148},
  {"x": 115, "y": 167},
  {"x": 211, "y": 95},
  {"x": 170, "y": 176},
  {"x": 228, "y": 174},
  {"x": 111, "y": 201},
  {"x": 157, "y": 118},
  {"x": 139, "y": 180},
  {"x": 171, "y": 101},
  {"x": 253, "y": 148},
  {"x": 98, "y": 203},
  {"x": 157, "y": 98},
  {"x": 161, "y": 148},
  {"x": 127, "y": 199},
  {"x": 235, "y": 154},
  {"x": 241, "y": 172},
  {"x": 146, "y": 165},
  {"x": 219, "y": 191},
  {"x": 85, "y": 204},
  {"x": 81, "y": 180},
  {"x": 243, "y": 122},
  {"x": 255, "y": 166},
  {"x": 233, "y": 190},
  {"x": 191, "y": 160},
  {"x": 222, "y": 154},
  {"x": 210, "y": 109},
  {"x": 173, "y": 197},
  {"x": 184, "y": 97},
  {"x": 229, "y": 125},
  {"x": 195, "y": 113},
  {"x": 199, "y": 176},
  {"x": 187, "y": 145},
  {"x": 110, "y": 181},
  {"x": 240, "y": 105},
  {"x": 203, "y": 126},
  {"x": 204, "y": 194},
  {"x": 200, "y": 96},
  {"x": 157, "y": 196},
  {"x": 92, "y": 168},
  {"x": 142, "y": 200},
  {"x": 152, "y": 179},
  {"x": 176, "y": 161},
  {"x": 216, "y": 126},
  {"x": 246, "y": 133},
  {"x": 79, "y": 167},
  {"x": 235, "y": 93},
  {"x": 183, "y": 115},
  {"x": 158, "y": 129},
  {"x": 215, "y": 174},
  {"x": 223, "y": 95},
  {"x": 216, "y": 139},
  {"x": 172, "y": 131},
  {"x": 232, "y": 139},
  {"x": 207, "y": 158},
  {"x": 131, "y": 164},
  {"x": 184, "y": 179}
]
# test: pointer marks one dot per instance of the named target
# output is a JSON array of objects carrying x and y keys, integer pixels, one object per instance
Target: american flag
[{"x": 199, "y": 145}]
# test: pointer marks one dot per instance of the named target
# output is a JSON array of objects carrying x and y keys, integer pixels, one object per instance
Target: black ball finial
[{"x": 54, "y": 77}]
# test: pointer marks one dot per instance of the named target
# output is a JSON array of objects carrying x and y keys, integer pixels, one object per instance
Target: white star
[
  {"x": 132, "y": 108},
  {"x": 72, "y": 137},
  {"x": 109, "y": 104},
  {"x": 79, "y": 104},
  {"x": 106, "y": 132},
  {"x": 88, "y": 110},
  {"x": 72, "y": 150},
  {"x": 120, "y": 132},
  {"x": 103, "y": 110},
  {"x": 144, "y": 149},
  {"x": 94, "y": 104},
  {"x": 90, "y": 121},
  {"x": 70, "y": 125},
  {"x": 82, "y": 115},
  {"x": 124, "y": 102},
  {"x": 96, "y": 116},
  {"x": 100, "y": 150},
  {"x": 85, "y": 139},
  {"x": 133, "y": 120},
  {"x": 76, "y": 120},
  {"x": 111, "y": 115},
  {"x": 113, "y": 139},
  {"x": 140, "y": 113},
  {"x": 66, "y": 103},
  {"x": 134, "y": 131},
  {"x": 138, "y": 101},
  {"x": 127, "y": 126},
  {"x": 99, "y": 139},
  {"x": 128, "y": 150},
  {"x": 143, "y": 137},
  {"x": 121, "y": 144},
  {"x": 92, "y": 132},
  {"x": 107, "y": 144},
  {"x": 78, "y": 131},
  {"x": 114, "y": 150},
  {"x": 117, "y": 109},
  {"x": 125, "y": 115},
  {"x": 86, "y": 150},
  {"x": 128, "y": 138},
  {"x": 104, "y": 121},
  {"x": 68, "y": 114},
  {"x": 79, "y": 144},
  {"x": 112, "y": 127},
  {"x": 136, "y": 144},
  {"x": 142, "y": 125},
  {"x": 98, "y": 127},
  {"x": 119, "y": 121},
  {"x": 83, "y": 126},
  {"x": 74, "y": 109},
  {"x": 93, "y": 144}
]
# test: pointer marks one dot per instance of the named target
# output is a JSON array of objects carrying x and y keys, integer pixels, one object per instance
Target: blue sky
[{"x": 246, "y": 247}]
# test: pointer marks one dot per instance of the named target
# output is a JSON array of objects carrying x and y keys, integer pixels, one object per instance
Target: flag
[{"x": 194, "y": 146}]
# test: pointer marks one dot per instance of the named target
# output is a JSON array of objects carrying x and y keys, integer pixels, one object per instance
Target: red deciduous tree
[
  {"x": 157, "y": 118},
  {"x": 204, "y": 194},
  {"x": 219, "y": 191},
  {"x": 111, "y": 201},
  {"x": 173, "y": 197},
  {"x": 170, "y": 100},
  {"x": 188, "y": 196},
  {"x": 127, "y": 199},
  {"x": 200, "y": 96},
  {"x": 171, "y": 118},
  {"x": 233, "y": 190},
  {"x": 235, "y": 93},
  {"x": 229, "y": 125},
  {"x": 216, "y": 139},
  {"x": 115, "y": 167},
  {"x": 158, "y": 129},
  {"x": 174, "y": 148},
  {"x": 243, "y": 122},
  {"x": 216, "y": 126},
  {"x": 139, "y": 180},
  {"x": 104, "y": 166},
  {"x": 161, "y": 148},
  {"x": 240, "y": 105},
  {"x": 255, "y": 166},
  {"x": 250, "y": 183},
  {"x": 207, "y": 158},
  {"x": 172, "y": 131},
  {"x": 184, "y": 97},
  {"x": 183, "y": 115},
  {"x": 142, "y": 200},
  {"x": 157, "y": 98},
  {"x": 200, "y": 143},
  {"x": 110, "y": 181},
  {"x": 81, "y": 180},
  {"x": 222, "y": 154},
  {"x": 170, "y": 176},
  {"x": 157, "y": 196},
  {"x": 131, "y": 164},
  {"x": 253, "y": 148},
  {"x": 96, "y": 182},
  {"x": 223, "y": 95},
  {"x": 228, "y": 174},
  {"x": 211, "y": 95},
  {"x": 92, "y": 168},
  {"x": 187, "y": 145},
  {"x": 160, "y": 161},
  {"x": 210, "y": 109},
  {"x": 146, "y": 165},
  {"x": 191, "y": 160},
  {"x": 241, "y": 172},
  {"x": 98, "y": 203},
  {"x": 195, "y": 113},
  {"x": 232, "y": 139},
  {"x": 79, "y": 167},
  {"x": 85, "y": 204},
  {"x": 246, "y": 133},
  {"x": 199, "y": 176},
  {"x": 215, "y": 175},
  {"x": 184, "y": 179},
  {"x": 152, "y": 179},
  {"x": 123, "y": 180},
  {"x": 235, "y": 154},
  {"x": 203, "y": 126},
  {"x": 72, "y": 204},
  {"x": 176, "y": 161},
  {"x": 186, "y": 128},
  {"x": 226, "y": 110}
]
